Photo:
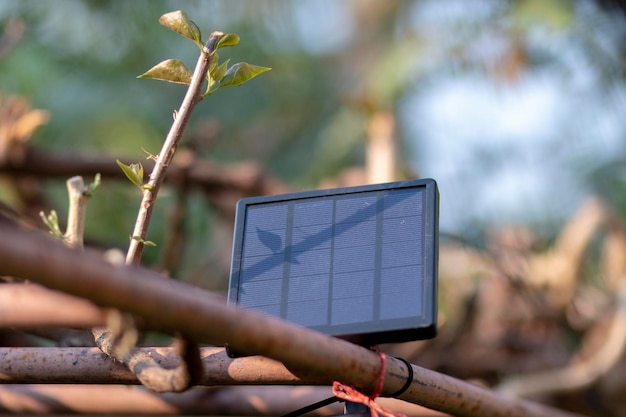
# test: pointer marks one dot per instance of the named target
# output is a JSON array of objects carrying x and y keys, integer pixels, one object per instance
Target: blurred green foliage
[{"x": 333, "y": 63}]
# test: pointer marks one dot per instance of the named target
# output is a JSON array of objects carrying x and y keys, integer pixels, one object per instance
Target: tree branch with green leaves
[{"x": 216, "y": 76}]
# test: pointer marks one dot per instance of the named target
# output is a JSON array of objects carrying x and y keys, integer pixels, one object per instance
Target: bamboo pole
[
  {"x": 137, "y": 400},
  {"x": 79, "y": 365},
  {"x": 245, "y": 177},
  {"x": 199, "y": 315}
]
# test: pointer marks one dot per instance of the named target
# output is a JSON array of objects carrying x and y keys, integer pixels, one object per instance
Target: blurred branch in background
[{"x": 13, "y": 33}]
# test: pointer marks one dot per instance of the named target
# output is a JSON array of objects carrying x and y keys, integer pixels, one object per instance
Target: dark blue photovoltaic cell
[
  {"x": 355, "y": 234},
  {"x": 353, "y": 284},
  {"x": 357, "y": 209},
  {"x": 264, "y": 242},
  {"x": 402, "y": 203},
  {"x": 257, "y": 293},
  {"x": 270, "y": 217},
  {"x": 399, "y": 229},
  {"x": 261, "y": 268},
  {"x": 308, "y": 313},
  {"x": 402, "y": 304},
  {"x": 401, "y": 279},
  {"x": 352, "y": 310},
  {"x": 314, "y": 262},
  {"x": 403, "y": 253},
  {"x": 311, "y": 237},
  {"x": 316, "y": 211},
  {"x": 309, "y": 287},
  {"x": 358, "y": 258}
]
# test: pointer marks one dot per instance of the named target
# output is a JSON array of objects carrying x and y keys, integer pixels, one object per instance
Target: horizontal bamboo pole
[
  {"x": 230, "y": 401},
  {"x": 201, "y": 316},
  {"x": 90, "y": 366},
  {"x": 247, "y": 177}
]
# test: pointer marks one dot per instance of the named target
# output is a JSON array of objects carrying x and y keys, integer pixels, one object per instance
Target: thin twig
[{"x": 227, "y": 401}]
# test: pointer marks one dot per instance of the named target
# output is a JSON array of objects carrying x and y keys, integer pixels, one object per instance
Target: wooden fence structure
[{"x": 296, "y": 355}]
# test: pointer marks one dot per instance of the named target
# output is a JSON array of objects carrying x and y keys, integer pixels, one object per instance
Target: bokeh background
[{"x": 517, "y": 108}]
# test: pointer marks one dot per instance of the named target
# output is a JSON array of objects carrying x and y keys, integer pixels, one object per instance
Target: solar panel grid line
[
  {"x": 330, "y": 312},
  {"x": 287, "y": 265}
]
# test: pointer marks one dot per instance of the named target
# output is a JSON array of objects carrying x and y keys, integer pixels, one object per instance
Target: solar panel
[{"x": 357, "y": 262}]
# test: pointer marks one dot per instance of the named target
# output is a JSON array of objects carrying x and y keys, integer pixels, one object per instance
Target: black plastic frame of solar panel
[{"x": 359, "y": 263}]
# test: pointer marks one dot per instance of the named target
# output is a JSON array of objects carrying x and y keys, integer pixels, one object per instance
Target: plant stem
[{"x": 194, "y": 96}]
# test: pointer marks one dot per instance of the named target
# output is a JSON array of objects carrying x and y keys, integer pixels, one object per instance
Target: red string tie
[{"x": 349, "y": 393}]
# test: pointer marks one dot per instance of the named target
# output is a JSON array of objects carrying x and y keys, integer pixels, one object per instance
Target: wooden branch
[
  {"x": 201, "y": 316},
  {"x": 590, "y": 367},
  {"x": 28, "y": 306},
  {"x": 231, "y": 401},
  {"x": 91, "y": 366},
  {"x": 13, "y": 33},
  {"x": 578, "y": 375},
  {"x": 247, "y": 177}
]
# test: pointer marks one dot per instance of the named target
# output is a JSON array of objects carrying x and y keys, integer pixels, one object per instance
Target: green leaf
[
  {"x": 228, "y": 39},
  {"x": 171, "y": 70},
  {"x": 145, "y": 242},
  {"x": 241, "y": 73},
  {"x": 219, "y": 72},
  {"x": 52, "y": 222},
  {"x": 216, "y": 73},
  {"x": 134, "y": 172},
  {"x": 91, "y": 189},
  {"x": 180, "y": 23}
]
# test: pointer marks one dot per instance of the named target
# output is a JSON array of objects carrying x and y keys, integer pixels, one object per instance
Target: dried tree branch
[
  {"x": 13, "y": 33},
  {"x": 91, "y": 366},
  {"x": 28, "y": 306},
  {"x": 603, "y": 358},
  {"x": 178, "y": 307},
  {"x": 231, "y": 401},
  {"x": 245, "y": 178},
  {"x": 578, "y": 375}
]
